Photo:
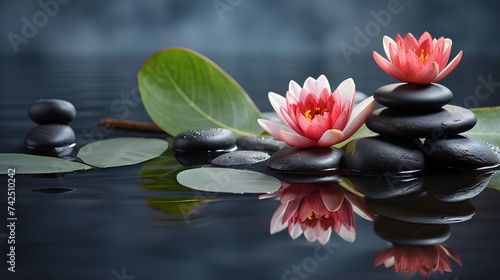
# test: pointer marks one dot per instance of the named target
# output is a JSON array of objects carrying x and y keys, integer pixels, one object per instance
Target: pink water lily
[
  {"x": 316, "y": 116},
  {"x": 422, "y": 259},
  {"x": 317, "y": 210},
  {"x": 421, "y": 61}
]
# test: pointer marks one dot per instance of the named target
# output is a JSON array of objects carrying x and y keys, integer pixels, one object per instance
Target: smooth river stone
[
  {"x": 49, "y": 136},
  {"x": 448, "y": 120},
  {"x": 205, "y": 140},
  {"x": 410, "y": 234},
  {"x": 47, "y": 111},
  {"x": 454, "y": 186},
  {"x": 413, "y": 96},
  {"x": 237, "y": 158},
  {"x": 380, "y": 154},
  {"x": 304, "y": 160},
  {"x": 260, "y": 143},
  {"x": 460, "y": 151},
  {"x": 422, "y": 209}
]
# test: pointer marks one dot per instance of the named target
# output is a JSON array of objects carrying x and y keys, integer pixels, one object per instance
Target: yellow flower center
[
  {"x": 422, "y": 55},
  {"x": 317, "y": 112},
  {"x": 313, "y": 216}
]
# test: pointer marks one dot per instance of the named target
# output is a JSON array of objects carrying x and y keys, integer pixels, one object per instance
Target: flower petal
[
  {"x": 294, "y": 139},
  {"x": 384, "y": 256},
  {"x": 324, "y": 82},
  {"x": 386, "y": 42},
  {"x": 277, "y": 220},
  {"x": 388, "y": 67},
  {"x": 347, "y": 90},
  {"x": 278, "y": 102},
  {"x": 310, "y": 86},
  {"x": 294, "y": 88},
  {"x": 274, "y": 128},
  {"x": 447, "y": 70},
  {"x": 294, "y": 230},
  {"x": 331, "y": 137},
  {"x": 332, "y": 197},
  {"x": 428, "y": 74},
  {"x": 358, "y": 116}
]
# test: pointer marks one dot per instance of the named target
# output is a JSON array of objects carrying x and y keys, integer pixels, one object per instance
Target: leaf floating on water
[
  {"x": 175, "y": 205},
  {"x": 227, "y": 180},
  {"x": 487, "y": 128},
  {"x": 121, "y": 151},
  {"x": 32, "y": 164},
  {"x": 183, "y": 90}
]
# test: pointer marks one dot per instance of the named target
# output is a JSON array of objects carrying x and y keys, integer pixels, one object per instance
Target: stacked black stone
[
  {"x": 412, "y": 113},
  {"x": 53, "y": 134}
]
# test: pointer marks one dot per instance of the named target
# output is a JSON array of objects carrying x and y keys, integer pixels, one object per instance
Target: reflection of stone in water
[{"x": 53, "y": 190}]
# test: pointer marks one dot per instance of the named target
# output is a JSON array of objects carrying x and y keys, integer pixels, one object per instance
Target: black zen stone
[
  {"x": 456, "y": 186},
  {"x": 291, "y": 159},
  {"x": 413, "y": 96},
  {"x": 260, "y": 143},
  {"x": 460, "y": 151},
  {"x": 205, "y": 140},
  {"x": 422, "y": 209},
  {"x": 402, "y": 233},
  {"x": 49, "y": 136},
  {"x": 237, "y": 158},
  {"x": 379, "y": 154},
  {"x": 47, "y": 111},
  {"x": 448, "y": 120}
]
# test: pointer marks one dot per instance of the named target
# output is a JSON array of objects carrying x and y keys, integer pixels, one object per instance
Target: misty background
[{"x": 262, "y": 44}]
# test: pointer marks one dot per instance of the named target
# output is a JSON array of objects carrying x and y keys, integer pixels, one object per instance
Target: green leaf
[
  {"x": 175, "y": 205},
  {"x": 31, "y": 164},
  {"x": 487, "y": 128},
  {"x": 121, "y": 151},
  {"x": 228, "y": 180},
  {"x": 183, "y": 90},
  {"x": 495, "y": 182}
]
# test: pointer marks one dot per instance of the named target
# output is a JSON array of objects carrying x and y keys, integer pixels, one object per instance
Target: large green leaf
[
  {"x": 183, "y": 90},
  {"x": 487, "y": 127},
  {"x": 121, "y": 151},
  {"x": 227, "y": 180},
  {"x": 31, "y": 164}
]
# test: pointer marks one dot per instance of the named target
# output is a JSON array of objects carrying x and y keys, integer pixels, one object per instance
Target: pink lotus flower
[
  {"x": 315, "y": 115},
  {"x": 316, "y": 210},
  {"x": 420, "y": 62},
  {"x": 424, "y": 259}
]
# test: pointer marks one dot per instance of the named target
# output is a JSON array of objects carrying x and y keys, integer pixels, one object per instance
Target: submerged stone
[
  {"x": 422, "y": 209},
  {"x": 460, "y": 151},
  {"x": 49, "y": 136},
  {"x": 413, "y": 96},
  {"x": 448, "y": 120},
  {"x": 205, "y": 140},
  {"x": 411, "y": 234},
  {"x": 456, "y": 186},
  {"x": 316, "y": 159},
  {"x": 240, "y": 158},
  {"x": 379, "y": 154},
  {"x": 47, "y": 111},
  {"x": 260, "y": 143}
]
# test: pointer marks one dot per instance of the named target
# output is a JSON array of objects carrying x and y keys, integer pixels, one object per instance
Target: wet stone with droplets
[
  {"x": 205, "y": 140},
  {"x": 239, "y": 158},
  {"x": 260, "y": 143}
]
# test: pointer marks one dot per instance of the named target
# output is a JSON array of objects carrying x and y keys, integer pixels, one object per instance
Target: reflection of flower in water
[
  {"x": 316, "y": 210},
  {"x": 424, "y": 259}
]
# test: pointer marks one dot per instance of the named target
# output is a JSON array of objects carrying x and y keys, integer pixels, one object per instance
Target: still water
[{"x": 102, "y": 224}]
